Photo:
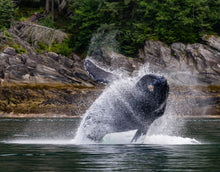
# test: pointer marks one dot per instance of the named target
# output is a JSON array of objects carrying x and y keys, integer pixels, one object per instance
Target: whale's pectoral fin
[
  {"x": 98, "y": 74},
  {"x": 140, "y": 132}
]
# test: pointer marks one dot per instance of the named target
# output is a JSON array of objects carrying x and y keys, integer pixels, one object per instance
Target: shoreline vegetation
[
  {"x": 70, "y": 101},
  {"x": 122, "y": 26},
  {"x": 42, "y": 52},
  {"x": 34, "y": 115},
  {"x": 47, "y": 99}
]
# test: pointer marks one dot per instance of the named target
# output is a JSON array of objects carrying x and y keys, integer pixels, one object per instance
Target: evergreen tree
[
  {"x": 85, "y": 20},
  {"x": 138, "y": 20},
  {"x": 125, "y": 15},
  {"x": 7, "y": 10},
  {"x": 174, "y": 20}
]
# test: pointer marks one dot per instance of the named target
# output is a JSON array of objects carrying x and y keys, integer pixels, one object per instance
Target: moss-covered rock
[{"x": 46, "y": 98}]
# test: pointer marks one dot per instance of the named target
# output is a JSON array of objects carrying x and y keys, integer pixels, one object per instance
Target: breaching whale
[{"x": 134, "y": 109}]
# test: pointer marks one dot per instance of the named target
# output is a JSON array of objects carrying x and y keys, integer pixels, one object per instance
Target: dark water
[{"x": 51, "y": 149}]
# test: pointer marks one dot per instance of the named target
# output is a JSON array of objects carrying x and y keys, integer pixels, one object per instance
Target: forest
[{"x": 121, "y": 25}]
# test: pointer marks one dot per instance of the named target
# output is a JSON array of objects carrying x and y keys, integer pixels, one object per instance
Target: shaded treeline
[{"x": 131, "y": 21}]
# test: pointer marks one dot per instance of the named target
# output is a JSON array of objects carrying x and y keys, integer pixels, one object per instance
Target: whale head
[{"x": 154, "y": 91}]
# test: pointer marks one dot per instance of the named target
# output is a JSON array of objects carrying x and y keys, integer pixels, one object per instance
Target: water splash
[
  {"x": 163, "y": 131},
  {"x": 169, "y": 140},
  {"x": 125, "y": 138},
  {"x": 113, "y": 138},
  {"x": 164, "y": 127},
  {"x": 112, "y": 92},
  {"x": 103, "y": 40}
]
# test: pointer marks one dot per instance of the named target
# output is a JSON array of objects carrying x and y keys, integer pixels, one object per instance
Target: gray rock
[
  {"x": 15, "y": 73},
  {"x": 75, "y": 58},
  {"x": 191, "y": 64},
  {"x": 53, "y": 55},
  {"x": 185, "y": 64},
  {"x": 121, "y": 62},
  {"x": 77, "y": 61},
  {"x": 14, "y": 60},
  {"x": 82, "y": 76},
  {"x": 153, "y": 53},
  {"x": 212, "y": 41},
  {"x": 4, "y": 59},
  {"x": 115, "y": 62},
  {"x": 49, "y": 68},
  {"x": 10, "y": 51},
  {"x": 178, "y": 47},
  {"x": 66, "y": 61}
]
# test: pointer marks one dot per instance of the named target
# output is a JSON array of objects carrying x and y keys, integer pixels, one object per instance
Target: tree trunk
[
  {"x": 47, "y": 6},
  {"x": 52, "y": 10}
]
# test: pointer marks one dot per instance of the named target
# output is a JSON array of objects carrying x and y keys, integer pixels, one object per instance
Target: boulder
[
  {"x": 53, "y": 55},
  {"x": 77, "y": 61},
  {"x": 115, "y": 62},
  {"x": 48, "y": 68},
  {"x": 191, "y": 64},
  {"x": 10, "y": 51},
  {"x": 212, "y": 41}
]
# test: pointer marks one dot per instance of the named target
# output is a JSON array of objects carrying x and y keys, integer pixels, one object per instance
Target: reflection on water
[{"x": 52, "y": 156}]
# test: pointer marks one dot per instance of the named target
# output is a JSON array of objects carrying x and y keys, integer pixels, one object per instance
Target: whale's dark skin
[
  {"x": 98, "y": 74},
  {"x": 134, "y": 109}
]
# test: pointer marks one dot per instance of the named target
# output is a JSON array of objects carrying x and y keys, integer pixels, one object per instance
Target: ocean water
[{"x": 49, "y": 145}]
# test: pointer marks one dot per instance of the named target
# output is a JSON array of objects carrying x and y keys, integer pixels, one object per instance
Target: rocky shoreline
[
  {"x": 53, "y": 115},
  {"x": 36, "y": 115},
  {"x": 47, "y": 84},
  {"x": 41, "y": 98}
]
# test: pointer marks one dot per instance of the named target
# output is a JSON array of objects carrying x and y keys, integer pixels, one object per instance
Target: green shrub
[
  {"x": 3, "y": 29},
  {"x": 42, "y": 46},
  {"x": 47, "y": 21},
  {"x": 18, "y": 48},
  {"x": 62, "y": 48}
]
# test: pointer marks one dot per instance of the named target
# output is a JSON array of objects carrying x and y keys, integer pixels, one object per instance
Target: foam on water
[
  {"x": 113, "y": 138},
  {"x": 169, "y": 140},
  {"x": 39, "y": 141},
  {"x": 125, "y": 138}
]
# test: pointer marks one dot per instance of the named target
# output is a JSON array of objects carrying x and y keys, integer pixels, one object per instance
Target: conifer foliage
[
  {"x": 123, "y": 25},
  {"x": 7, "y": 10},
  {"x": 138, "y": 20}
]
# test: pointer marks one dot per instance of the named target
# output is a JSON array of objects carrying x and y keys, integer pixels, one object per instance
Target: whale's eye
[{"x": 150, "y": 88}]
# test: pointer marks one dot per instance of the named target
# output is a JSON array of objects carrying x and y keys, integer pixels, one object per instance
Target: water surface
[{"x": 47, "y": 145}]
